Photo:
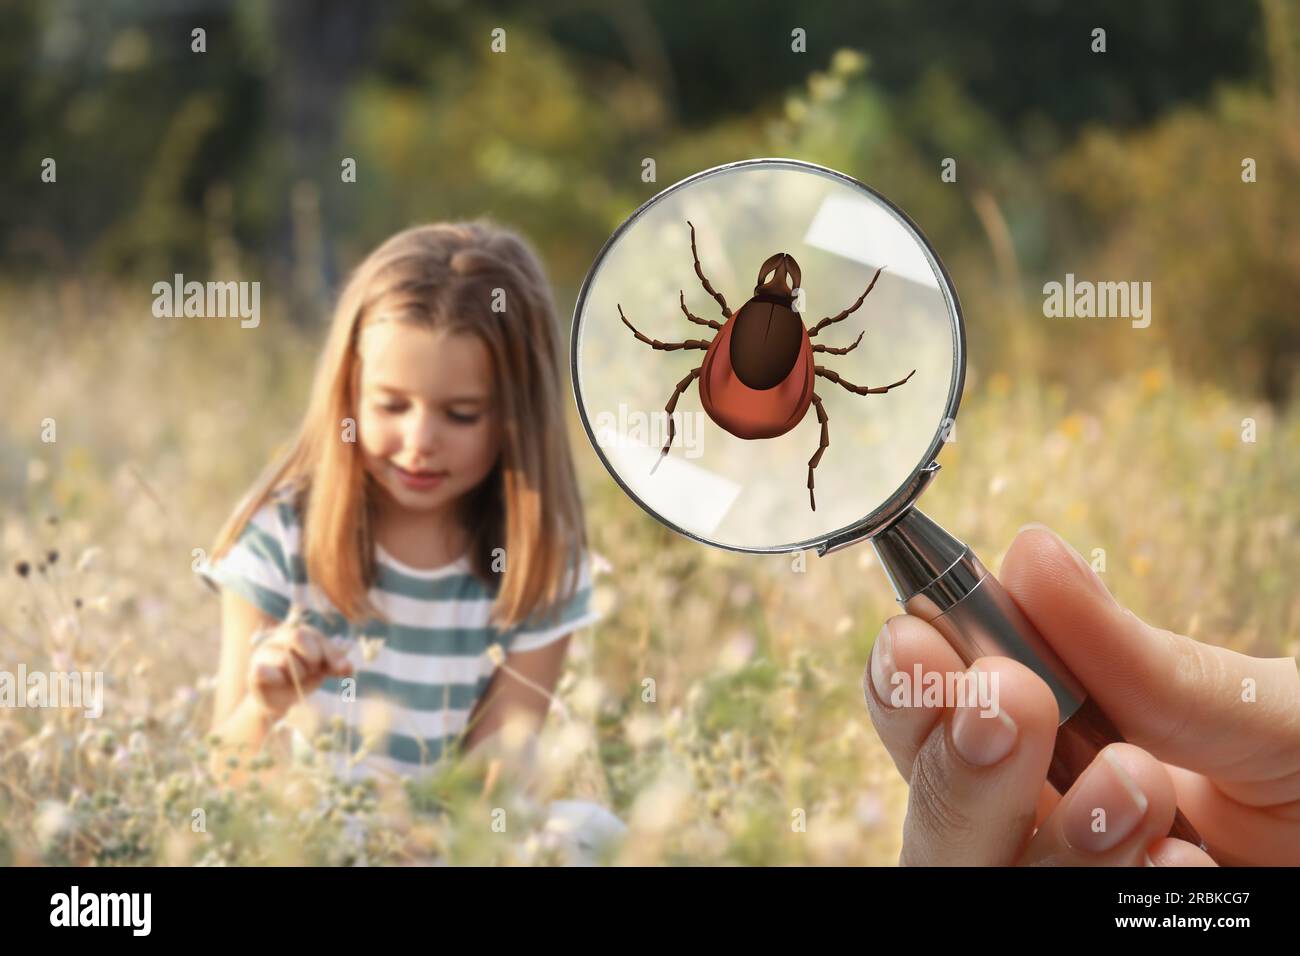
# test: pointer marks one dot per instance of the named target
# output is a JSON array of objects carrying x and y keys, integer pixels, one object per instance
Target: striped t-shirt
[{"x": 432, "y": 662}]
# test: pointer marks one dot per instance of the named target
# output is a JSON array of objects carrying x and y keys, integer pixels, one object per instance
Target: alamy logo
[
  {"x": 632, "y": 428},
  {"x": 1103, "y": 300},
  {"x": 102, "y": 909},
  {"x": 208, "y": 300},
  {"x": 55, "y": 689},
  {"x": 971, "y": 688}
]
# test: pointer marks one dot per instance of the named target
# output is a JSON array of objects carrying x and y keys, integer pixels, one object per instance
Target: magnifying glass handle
[{"x": 939, "y": 579}]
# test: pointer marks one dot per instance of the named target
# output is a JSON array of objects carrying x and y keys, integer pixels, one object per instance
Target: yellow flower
[
  {"x": 846, "y": 62},
  {"x": 1072, "y": 426}
]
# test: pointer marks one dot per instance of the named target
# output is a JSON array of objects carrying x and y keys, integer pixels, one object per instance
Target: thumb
[{"x": 1195, "y": 705}]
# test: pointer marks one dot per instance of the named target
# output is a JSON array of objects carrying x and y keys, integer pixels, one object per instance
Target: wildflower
[
  {"x": 1153, "y": 381},
  {"x": 1072, "y": 426},
  {"x": 1140, "y": 565},
  {"x": 65, "y": 628},
  {"x": 999, "y": 384},
  {"x": 52, "y": 821},
  {"x": 370, "y": 647},
  {"x": 869, "y": 810},
  {"x": 88, "y": 559},
  {"x": 846, "y": 62}
]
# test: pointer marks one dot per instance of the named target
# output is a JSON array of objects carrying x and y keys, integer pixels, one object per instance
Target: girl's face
[{"x": 427, "y": 421}]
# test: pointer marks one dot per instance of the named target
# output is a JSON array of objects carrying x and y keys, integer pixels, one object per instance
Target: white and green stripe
[{"x": 432, "y": 666}]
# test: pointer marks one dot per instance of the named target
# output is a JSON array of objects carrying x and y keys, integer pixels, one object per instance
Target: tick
[{"x": 758, "y": 375}]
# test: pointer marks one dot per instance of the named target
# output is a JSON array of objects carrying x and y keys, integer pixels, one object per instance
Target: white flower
[
  {"x": 88, "y": 559},
  {"x": 52, "y": 821},
  {"x": 370, "y": 647}
]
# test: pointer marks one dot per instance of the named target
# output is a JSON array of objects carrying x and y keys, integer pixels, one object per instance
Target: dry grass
[{"x": 756, "y": 667}]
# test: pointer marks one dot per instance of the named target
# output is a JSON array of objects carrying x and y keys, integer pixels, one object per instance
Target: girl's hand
[
  {"x": 1227, "y": 727},
  {"x": 294, "y": 659}
]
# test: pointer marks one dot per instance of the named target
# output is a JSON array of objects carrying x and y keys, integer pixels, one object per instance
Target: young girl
[{"x": 427, "y": 511}]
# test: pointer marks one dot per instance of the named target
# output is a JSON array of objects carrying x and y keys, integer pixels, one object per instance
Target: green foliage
[{"x": 1170, "y": 205}]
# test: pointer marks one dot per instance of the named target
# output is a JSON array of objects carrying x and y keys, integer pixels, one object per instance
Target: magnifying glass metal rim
[{"x": 905, "y": 495}]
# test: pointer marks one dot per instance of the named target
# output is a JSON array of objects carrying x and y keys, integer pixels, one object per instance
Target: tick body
[
  {"x": 757, "y": 377},
  {"x": 759, "y": 374}
]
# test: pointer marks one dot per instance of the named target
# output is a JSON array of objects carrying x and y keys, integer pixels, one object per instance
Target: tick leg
[
  {"x": 859, "y": 389},
  {"x": 716, "y": 326},
  {"x": 700, "y": 272},
  {"x": 844, "y": 351},
  {"x": 826, "y": 443},
  {"x": 847, "y": 312},
  {"x": 670, "y": 408},
  {"x": 665, "y": 346}
]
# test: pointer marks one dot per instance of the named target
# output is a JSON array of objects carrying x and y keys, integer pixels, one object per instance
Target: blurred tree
[
  {"x": 228, "y": 160},
  {"x": 319, "y": 47},
  {"x": 1173, "y": 204}
]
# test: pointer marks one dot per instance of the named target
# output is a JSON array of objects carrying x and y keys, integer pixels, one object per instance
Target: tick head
[{"x": 779, "y": 275}]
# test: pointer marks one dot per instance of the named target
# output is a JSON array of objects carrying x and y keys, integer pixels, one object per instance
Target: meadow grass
[{"x": 757, "y": 723}]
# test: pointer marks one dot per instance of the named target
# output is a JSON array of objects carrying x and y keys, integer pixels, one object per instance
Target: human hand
[
  {"x": 292, "y": 660},
  {"x": 1210, "y": 731}
]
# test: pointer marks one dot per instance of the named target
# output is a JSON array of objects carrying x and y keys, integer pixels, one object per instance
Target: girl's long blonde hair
[{"x": 443, "y": 276}]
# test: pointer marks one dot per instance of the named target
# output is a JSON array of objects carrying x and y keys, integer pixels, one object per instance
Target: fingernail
[
  {"x": 1094, "y": 580},
  {"x": 1033, "y": 526},
  {"x": 982, "y": 739},
  {"x": 882, "y": 664},
  {"x": 1108, "y": 807}
]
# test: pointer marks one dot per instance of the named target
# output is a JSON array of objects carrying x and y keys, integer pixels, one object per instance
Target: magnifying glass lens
[{"x": 786, "y": 334}]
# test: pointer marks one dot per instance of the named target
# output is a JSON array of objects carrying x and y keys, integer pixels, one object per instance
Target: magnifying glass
[{"x": 768, "y": 357}]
